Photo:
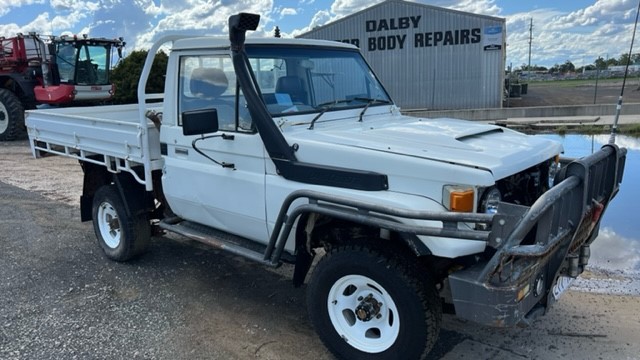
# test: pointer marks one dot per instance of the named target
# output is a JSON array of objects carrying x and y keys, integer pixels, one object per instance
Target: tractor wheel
[{"x": 11, "y": 116}]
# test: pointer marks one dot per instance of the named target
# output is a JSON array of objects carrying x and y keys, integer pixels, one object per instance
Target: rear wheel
[
  {"x": 366, "y": 305},
  {"x": 11, "y": 116},
  {"x": 120, "y": 236}
]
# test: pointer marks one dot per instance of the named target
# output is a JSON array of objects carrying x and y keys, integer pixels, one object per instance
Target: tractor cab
[
  {"x": 66, "y": 70},
  {"x": 80, "y": 70}
]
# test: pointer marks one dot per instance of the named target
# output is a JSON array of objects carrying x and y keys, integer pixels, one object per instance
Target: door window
[{"x": 208, "y": 82}]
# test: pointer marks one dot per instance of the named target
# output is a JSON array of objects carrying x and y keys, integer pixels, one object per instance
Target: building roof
[{"x": 409, "y": 3}]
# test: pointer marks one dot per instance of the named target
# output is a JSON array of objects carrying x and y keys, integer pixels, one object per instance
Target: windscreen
[
  {"x": 298, "y": 79},
  {"x": 83, "y": 63}
]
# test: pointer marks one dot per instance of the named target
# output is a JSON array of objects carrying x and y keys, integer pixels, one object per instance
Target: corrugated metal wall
[{"x": 427, "y": 57}]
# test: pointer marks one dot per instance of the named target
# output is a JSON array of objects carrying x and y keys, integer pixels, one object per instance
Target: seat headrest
[
  {"x": 208, "y": 82},
  {"x": 289, "y": 84}
]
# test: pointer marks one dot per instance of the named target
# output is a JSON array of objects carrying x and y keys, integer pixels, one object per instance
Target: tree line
[
  {"x": 126, "y": 74},
  {"x": 599, "y": 64}
]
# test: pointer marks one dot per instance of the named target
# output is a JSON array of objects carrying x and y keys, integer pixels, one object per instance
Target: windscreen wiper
[
  {"x": 327, "y": 106},
  {"x": 369, "y": 103},
  {"x": 330, "y": 105}
]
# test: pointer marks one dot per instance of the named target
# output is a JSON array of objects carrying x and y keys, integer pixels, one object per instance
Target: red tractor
[{"x": 57, "y": 71}]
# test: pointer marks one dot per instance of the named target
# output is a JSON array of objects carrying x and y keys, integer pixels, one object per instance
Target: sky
[{"x": 575, "y": 30}]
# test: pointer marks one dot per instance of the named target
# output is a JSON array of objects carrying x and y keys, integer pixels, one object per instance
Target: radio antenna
[{"x": 614, "y": 128}]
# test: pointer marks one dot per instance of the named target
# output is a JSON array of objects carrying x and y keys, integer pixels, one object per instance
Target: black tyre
[
  {"x": 11, "y": 116},
  {"x": 120, "y": 237},
  {"x": 366, "y": 305}
]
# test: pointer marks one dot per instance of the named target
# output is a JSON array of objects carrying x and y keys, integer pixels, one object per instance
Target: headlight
[{"x": 489, "y": 201}]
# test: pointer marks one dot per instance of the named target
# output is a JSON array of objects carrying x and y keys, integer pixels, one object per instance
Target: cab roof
[{"x": 220, "y": 42}]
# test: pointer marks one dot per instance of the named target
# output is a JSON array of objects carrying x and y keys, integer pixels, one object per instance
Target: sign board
[{"x": 492, "y": 39}]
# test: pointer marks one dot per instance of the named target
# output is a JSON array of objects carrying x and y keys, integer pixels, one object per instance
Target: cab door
[{"x": 197, "y": 187}]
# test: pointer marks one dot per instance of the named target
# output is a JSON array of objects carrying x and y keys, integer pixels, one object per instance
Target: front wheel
[
  {"x": 120, "y": 236},
  {"x": 366, "y": 305}
]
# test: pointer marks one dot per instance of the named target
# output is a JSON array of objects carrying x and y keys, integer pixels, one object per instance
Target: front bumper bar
[{"x": 535, "y": 246}]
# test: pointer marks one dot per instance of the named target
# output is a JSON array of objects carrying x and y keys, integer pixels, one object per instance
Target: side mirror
[{"x": 199, "y": 122}]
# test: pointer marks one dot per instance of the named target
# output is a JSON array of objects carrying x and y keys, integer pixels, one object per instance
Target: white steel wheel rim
[
  {"x": 4, "y": 118},
  {"x": 109, "y": 225},
  {"x": 372, "y": 336}
]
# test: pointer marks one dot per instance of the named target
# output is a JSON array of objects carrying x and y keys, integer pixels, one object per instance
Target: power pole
[{"x": 530, "y": 40}]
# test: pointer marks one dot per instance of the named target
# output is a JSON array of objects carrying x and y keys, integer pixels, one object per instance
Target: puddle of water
[{"x": 614, "y": 266}]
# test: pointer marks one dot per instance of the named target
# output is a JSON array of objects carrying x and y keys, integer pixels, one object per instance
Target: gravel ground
[{"x": 60, "y": 298}]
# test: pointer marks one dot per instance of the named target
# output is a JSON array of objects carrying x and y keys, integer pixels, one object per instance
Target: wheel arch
[
  {"x": 133, "y": 194},
  {"x": 314, "y": 230}
]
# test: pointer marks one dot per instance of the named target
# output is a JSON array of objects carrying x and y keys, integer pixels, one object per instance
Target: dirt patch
[{"x": 55, "y": 177}]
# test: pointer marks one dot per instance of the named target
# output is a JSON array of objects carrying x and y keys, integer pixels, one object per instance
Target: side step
[{"x": 220, "y": 240}]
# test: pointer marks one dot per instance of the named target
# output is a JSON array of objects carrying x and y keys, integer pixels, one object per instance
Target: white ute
[{"x": 274, "y": 148}]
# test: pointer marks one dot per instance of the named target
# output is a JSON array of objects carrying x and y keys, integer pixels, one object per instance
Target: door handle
[{"x": 180, "y": 151}]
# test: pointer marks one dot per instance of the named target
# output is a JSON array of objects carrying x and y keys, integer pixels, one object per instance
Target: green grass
[
  {"x": 576, "y": 82},
  {"x": 630, "y": 129},
  {"x": 625, "y": 129}
]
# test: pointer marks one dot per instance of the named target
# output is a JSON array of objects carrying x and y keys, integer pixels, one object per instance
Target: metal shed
[{"x": 428, "y": 57}]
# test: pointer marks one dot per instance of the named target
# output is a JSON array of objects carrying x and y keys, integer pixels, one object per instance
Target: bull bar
[{"x": 536, "y": 246}]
